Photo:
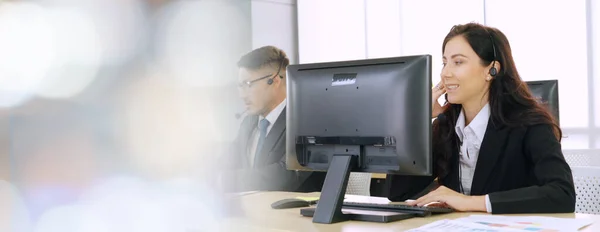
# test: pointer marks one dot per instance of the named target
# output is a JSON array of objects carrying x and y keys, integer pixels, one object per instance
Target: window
[
  {"x": 424, "y": 25},
  {"x": 383, "y": 28},
  {"x": 331, "y": 30},
  {"x": 595, "y": 37},
  {"x": 549, "y": 47}
]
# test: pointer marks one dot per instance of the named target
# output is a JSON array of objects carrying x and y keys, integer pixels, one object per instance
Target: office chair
[
  {"x": 587, "y": 188},
  {"x": 582, "y": 157},
  {"x": 359, "y": 183}
]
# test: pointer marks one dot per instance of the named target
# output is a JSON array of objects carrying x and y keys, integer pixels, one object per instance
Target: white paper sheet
[
  {"x": 530, "y": 223},
  {"x": 491, "y": 223},
  {"x": 365, "y": 199},
  {"x": 458, "y": 226}
]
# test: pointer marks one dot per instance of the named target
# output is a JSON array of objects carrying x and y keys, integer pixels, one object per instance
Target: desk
[
  {"x": 378, "y": 176},
  {"x": 260, "y": 217}
]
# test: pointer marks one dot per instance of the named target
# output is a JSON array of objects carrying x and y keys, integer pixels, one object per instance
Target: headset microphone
[{"x": 238, "y": 115}]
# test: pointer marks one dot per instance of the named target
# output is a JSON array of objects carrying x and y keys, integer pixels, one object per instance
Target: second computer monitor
[
  {"x": 376, "y": 109},
  {"x": 547, "y": 93}
]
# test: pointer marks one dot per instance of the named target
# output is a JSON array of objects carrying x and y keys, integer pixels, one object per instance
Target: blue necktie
[{"x": 262, "y": 128}]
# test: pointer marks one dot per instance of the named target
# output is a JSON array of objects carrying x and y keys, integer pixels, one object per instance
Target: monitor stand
[{"x": 329, "y": 206}]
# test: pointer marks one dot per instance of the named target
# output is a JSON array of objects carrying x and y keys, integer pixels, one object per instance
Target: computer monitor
[
  {"x": 370, "y": 115},
  {"x": 547, "y": 93}
]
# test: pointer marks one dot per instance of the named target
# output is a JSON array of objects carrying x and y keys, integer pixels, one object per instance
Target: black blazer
[
  {"x": 522, "y": 169},
  {"x": 270, "y": 172}
]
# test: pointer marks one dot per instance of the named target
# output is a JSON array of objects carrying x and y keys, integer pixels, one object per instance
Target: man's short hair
[{"x": 263, "y": 56}]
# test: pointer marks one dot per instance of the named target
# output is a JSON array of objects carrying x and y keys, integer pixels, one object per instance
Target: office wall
[
  {"x": 548, "y": 47},
  {"x": 544, "y": 46},
  {"x": 329, "y": 32},
  {"x": 593, "y": 10},
  {"x": 274, "y": 23}
]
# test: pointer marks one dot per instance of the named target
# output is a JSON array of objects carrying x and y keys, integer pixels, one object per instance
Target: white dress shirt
[
  {"x": 271, "y": 117},
  {"x": 471, "y": 137}
]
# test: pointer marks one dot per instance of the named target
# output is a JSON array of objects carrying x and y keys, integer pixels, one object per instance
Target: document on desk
[
  {"x": 530, "y": 223},
  {"x": 490, "y": 223},
  {"x": 447, "y": 225}
]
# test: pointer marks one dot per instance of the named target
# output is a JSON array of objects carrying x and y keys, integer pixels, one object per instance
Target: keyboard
[{"x": 398, "y": 207}]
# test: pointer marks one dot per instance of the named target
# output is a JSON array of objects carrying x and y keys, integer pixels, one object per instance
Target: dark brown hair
[
  {"x": 263, "y": 56},
  {"x": 511, "y": 102}
]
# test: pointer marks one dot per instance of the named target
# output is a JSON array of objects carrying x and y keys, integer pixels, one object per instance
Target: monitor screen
[
  {"x": 376, "y": 109},
  {"x": 547, "y": 93}
]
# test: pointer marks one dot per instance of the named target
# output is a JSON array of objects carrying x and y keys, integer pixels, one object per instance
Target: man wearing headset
[{"x": 258, "y": 160}]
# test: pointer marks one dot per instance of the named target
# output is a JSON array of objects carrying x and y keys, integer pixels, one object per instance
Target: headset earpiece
[
  {"x": 493, "y": 71},
  {"x": 270, "y": 81}
]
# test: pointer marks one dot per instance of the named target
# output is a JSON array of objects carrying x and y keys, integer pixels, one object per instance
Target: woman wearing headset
[{"x": 495, "y": 148}]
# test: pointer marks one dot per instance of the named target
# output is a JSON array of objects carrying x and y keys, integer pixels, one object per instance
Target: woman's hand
[
  {"x": 436, "y": 93},
  {"x": 455, "y": 200}
]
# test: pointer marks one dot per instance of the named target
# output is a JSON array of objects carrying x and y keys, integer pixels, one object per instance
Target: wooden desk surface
[
  {"x": 260, "y": 217},
  {"x": 378, "y": 176}
]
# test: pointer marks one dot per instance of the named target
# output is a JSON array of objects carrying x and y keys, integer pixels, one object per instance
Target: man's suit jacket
[
  {"x": 270, "y": 172},
  {"x": 522, "y": 169}
]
